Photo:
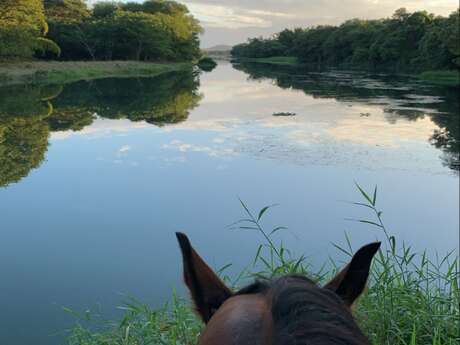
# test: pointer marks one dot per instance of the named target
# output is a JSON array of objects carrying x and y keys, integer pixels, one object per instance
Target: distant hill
[{"x": 219, "y": 48}]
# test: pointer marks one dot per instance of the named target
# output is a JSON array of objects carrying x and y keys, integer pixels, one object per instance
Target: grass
[
  {"x": 173, "y": 324},
  {"x": 55, "y": 72},
  {"x": 441, "y": 78},
  {"x": 411, "y": 299},
  {"x": 274, "y": 60}
]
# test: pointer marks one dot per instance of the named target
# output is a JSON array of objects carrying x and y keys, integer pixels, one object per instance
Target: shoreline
[
  {"x": 449, "y": 78},
  {"x": 57, "y": 72},
  {"x": 274, "y": 60}
]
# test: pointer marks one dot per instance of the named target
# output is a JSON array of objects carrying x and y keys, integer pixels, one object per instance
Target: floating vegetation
[{"x": 284, "y": 114}]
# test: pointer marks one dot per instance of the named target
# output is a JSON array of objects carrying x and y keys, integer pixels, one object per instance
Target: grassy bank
[
  {"x": 274, "y": 60},
  {"x": 411, "y": 300},
  {"x": 54, "y": 72},
  {"x": 442, "y": 78}
]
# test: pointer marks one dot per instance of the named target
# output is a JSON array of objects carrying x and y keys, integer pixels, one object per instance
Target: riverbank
[
  {"x": 441, "y": 78},
  {"x": 55, "y": 72},
  {"x": 273, "y": 60},
  {"x": 409, "y": 300}
]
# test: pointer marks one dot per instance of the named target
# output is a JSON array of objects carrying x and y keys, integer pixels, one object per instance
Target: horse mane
[{"x": 304, "y": 313}]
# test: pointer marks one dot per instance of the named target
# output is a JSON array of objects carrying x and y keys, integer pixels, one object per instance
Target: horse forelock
[{"x": 304, "y": 313}]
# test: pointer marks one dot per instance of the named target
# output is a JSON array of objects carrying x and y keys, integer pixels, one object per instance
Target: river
[{"x": 95, "y": 178}]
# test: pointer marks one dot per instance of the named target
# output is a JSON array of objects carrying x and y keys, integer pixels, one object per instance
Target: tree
[
  {"x": 451, "y": 36},
  {"x": 66, "y": 10},
  {"x": 105, "y": 9},
  {"x": 23, "y": 28}
]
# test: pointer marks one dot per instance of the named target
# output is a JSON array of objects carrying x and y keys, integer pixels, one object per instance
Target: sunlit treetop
[{"x": 66, "y": 10}]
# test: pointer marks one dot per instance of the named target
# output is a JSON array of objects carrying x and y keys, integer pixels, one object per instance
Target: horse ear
[
  {"x": 351, "y": 281},
  {"x": 207, "y": 290}
]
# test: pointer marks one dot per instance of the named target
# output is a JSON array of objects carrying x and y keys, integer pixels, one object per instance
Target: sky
[{"x": 234, "y": 21}]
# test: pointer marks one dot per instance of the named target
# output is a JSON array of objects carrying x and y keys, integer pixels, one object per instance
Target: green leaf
[
  {"x": 259, "y": 249},
  {"x": 362, "y": 204},
  {"x": 367, "y": 197},
  {"x": 248, "y": 228},
  {"x": 262, "y": 211},
  {"x": 223, "y": 268},
  {"x": 369, "y": 222},
  {"x": 278, "y": 228},
  {"x": 374, "y": 197}
]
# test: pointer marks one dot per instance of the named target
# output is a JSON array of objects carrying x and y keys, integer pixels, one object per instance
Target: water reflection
[
  {"x": 393, "y": 94},
  {"x": 116, "y": 190},
  {"x": 23, "y": 144},
  {"x": 28, "y": 113}
]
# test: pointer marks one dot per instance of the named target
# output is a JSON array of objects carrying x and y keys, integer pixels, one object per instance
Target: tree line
[
  {"x": 155, "y": 30},
  {"x": 410, "y": 41}
]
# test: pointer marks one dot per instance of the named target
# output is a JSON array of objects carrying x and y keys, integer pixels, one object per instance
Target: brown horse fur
[{"x": 291, "y": 310}]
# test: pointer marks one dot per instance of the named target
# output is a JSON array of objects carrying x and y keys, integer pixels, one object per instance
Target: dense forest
[
  {"x": 155, "y": 30},
  {"x": 406, "y": 41}
]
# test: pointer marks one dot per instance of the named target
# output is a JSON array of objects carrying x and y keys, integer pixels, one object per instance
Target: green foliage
[
  {"x": 154, "y": 30},
  {"x": 207, "y": 64},
  {"x": 275, "y": 60},
  {"x": 173, "y": 324},
  {"x": 16, "y": 42},
  {"x": 66, "y": 10},
  {"x": 105, "y": 9},
  {"x": 443, "y": 78},
  {"x": 260, "y": 48},
  {"x": 44, "y": 45},
  {"x": 22, "y": 28},
  {"x": 407, "y": 41}
]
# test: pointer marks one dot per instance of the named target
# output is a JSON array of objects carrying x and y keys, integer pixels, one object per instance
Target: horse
[{"x": 289, "y": 310}]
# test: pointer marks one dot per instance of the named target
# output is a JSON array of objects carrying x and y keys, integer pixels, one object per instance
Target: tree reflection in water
[
  {"x": 394, "y": 93},
  {"x": 28, "y": 113}
]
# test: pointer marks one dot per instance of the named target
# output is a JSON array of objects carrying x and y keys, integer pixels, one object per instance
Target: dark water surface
[{"x": 96, "y": 177}]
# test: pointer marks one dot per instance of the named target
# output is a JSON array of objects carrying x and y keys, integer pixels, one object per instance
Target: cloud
[
  {"x": 124, "y": 149},
  {"x": 219, "y": 16},
  {"x": 379, "y": 132},
  {"x": 208, "y": 150}
]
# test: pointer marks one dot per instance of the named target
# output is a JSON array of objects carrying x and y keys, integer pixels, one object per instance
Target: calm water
[{"x": 96, "y": 178}]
